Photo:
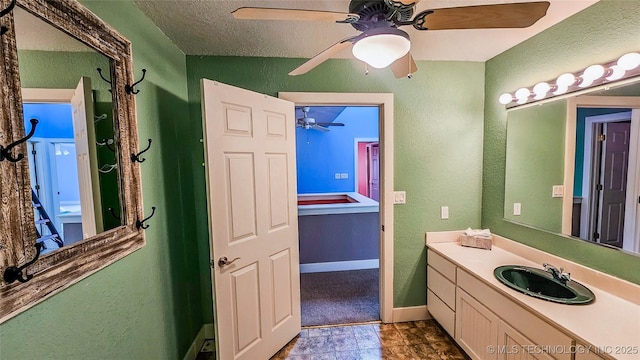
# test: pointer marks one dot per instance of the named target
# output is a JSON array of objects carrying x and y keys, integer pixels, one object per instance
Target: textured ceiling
[{"x": 206, "y": 27}]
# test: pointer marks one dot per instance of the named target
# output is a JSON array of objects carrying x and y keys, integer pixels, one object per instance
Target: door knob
[{"x": 224, "y": 261}]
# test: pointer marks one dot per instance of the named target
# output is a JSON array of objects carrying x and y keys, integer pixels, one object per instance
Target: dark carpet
[{"x": 340, "y": 297}]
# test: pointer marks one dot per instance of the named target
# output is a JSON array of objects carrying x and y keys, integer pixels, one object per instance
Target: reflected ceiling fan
[
  {"x": 381, "y": 43},
  {"x": 307, "y": 122}
]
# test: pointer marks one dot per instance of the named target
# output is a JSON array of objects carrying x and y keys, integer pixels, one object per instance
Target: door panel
[
  {"x": 252, "y": 200},
  {"x": 615, "y": 166}
]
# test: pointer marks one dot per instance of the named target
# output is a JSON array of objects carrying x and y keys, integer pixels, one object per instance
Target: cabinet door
[
  {"x": 476, "y": 327},
  {"x": 512, "y": 345}
]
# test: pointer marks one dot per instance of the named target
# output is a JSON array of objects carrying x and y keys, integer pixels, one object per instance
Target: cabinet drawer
[
  {"x": 444, "y": 266},
  {"x": 531, "y": 326},
  {"x": 441, "y": 312},
  {"x": 442, "y": 287}
]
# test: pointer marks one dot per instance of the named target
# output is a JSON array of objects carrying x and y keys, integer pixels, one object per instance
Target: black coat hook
[
  {"x": 5, "y": 153},
  {"x": 103, "y": 78},
  {"x": 4, "y": 12},
  {"x": 136, "y": 157},
  {"x": 113, "y": 213},
  {"x": 129, "y": 88},
  {"x": 140, "y": 224},
  {"x": 13, "y": 273}
]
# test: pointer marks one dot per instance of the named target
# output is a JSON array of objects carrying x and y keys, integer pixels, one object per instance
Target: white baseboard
[
  {"x": 206, "y": 332},
  {"x": 411, "y": 313},
  {"x": 340, "y": 266}
]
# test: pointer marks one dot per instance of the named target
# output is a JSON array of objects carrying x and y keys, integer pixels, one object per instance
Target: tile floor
[{"x": 418, "y": 340}]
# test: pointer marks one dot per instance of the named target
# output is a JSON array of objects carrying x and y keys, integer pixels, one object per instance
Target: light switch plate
[
  {"x": 517, "y": 209},
  {"x": 557, "y": 191},
  {"x": 444, "y": 212},
  {"x": 399, "y": 197},
  {"x": 337, "y": 176},
  {"x": 344, "y": 176}
]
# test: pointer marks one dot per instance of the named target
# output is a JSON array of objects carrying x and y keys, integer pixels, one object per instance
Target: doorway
[
  {"x": 384, "y": 105},
  {"x": 602, "y": 183},
  {"x": 338, "y": 224}
]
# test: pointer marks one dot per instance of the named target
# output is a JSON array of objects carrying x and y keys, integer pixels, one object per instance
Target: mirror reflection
[
  {"x": 72, "y": 155},
  {"x": 605, "y": 183}
]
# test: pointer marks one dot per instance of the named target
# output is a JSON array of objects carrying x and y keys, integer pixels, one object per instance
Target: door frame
[
  {"x": 589, "y": 165},
  {"x": 633, "y": 177},
  {"x": 356, "y": 170},
  {"x": 384, "y": 101}
]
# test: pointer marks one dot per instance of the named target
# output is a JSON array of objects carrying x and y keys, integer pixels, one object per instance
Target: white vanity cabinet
[
  {"x": 441, "y": 291},
  {"x": 485, "y": 323}
]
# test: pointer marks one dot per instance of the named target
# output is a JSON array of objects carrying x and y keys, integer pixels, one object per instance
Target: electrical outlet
[
  {"x": 209, "y": 345},
  {"x": 399, "y": 197},
  {"x": 517, "y": 209},
  {"x": 337, "y": 176},
  {"x": 444, "y": 212},
  {"x": 344, "y": 176}
]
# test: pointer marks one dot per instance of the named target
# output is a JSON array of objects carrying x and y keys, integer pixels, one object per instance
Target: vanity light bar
[{"x": 627, "y": 66}]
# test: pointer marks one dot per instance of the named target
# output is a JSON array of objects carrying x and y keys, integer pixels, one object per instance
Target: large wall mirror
[
  {"x": 573, "y": 167},
  {"x": 76, "y": 192}
]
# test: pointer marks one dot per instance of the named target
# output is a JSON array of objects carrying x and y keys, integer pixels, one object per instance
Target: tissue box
[{"x": 479, "y": 242}]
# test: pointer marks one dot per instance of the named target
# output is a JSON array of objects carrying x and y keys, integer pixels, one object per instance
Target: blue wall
[
  {"x": 54, "y": 120},
  {"x": 320, "y": 155}
]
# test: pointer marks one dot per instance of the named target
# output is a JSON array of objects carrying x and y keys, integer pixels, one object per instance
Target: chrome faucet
[{"x": 558, "y": 274}]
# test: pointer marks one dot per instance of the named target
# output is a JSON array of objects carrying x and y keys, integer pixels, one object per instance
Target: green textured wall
[
  {"x": 438, "y": 144},
  {"x": 535, "y": 162},
  {"x": 147, "y": 305},
  {"x": 598, "y": 34}
]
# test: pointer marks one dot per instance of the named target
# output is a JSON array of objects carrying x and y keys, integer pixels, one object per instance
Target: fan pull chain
[{"x": 366, "y": 69}]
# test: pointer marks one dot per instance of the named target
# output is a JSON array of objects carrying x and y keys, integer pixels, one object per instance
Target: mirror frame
[{"x": 59, "y": 269}]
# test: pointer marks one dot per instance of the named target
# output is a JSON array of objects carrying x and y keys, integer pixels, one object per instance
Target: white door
[
  {"x": 253, "y": 220},
  {"x": 88, "y": 178}
]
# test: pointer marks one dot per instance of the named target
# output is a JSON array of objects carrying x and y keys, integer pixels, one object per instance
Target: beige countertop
[{"x": 611, "y": 322}]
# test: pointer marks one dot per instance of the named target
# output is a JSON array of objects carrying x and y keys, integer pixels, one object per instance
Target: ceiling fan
[
  {"x": 307, "y": 122},
  {"x": 381, "y": 43}
]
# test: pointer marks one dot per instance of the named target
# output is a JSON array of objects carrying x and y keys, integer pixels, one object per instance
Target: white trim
[
  {"x": 339, "y": 266},
  {"x": 47, "y": 95},
  {"x": 632, "y": 237},
  {"x": 356, "y": 141},
  {"x": 411, "y": 313},
  {"x": 206, "y": 332},
  {"x": 385, "y": 134}
]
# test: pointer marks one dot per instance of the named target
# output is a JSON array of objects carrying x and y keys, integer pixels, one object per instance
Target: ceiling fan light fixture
[{"x": 380, "y": 47}]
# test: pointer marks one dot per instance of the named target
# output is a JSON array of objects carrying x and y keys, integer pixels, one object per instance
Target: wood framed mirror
[{"x": 57, "y": 270}]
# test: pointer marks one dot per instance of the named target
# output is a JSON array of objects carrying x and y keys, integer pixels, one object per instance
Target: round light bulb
[
  {"x": 629, "y": 61},
  {"x": 540, "y": 90},
  {"x": 565, "y": 80},
  {"x": 591, "y": 74},
  {"x": 522, "y": 95},
  {"x": 561, "y": 90},
  {"x": 616, "y": 73},
  {"x": 505, "y": 98}
]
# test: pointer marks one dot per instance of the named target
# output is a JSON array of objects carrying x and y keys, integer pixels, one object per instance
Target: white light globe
[
  {"x": 540, "y": 90},
  {"x": 629, "y": 61},
  {"x": 561, "y": 90},
  {"x": 565, "y": 80},
  {"x": 591, "y": 74},
  {"x": 505, "y": 98},
  {"x": 381, "y": 47},
  {"x": 616, "y": 73}
]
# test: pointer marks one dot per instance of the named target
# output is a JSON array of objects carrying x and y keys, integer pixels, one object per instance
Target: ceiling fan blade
[
  {"x": 519, "y": 15},
  {"x": 254, "y": 13},
  {"x": 404, "y": 67},
  {"x": 329, "y": 124},
  {"x": 319, "y": 128},
  {"x": 322, "y": 57}
]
